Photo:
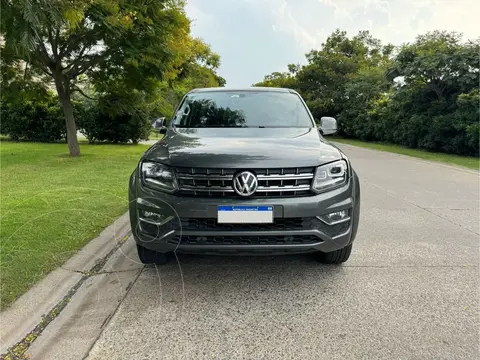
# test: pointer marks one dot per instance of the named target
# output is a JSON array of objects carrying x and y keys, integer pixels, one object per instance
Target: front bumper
[{"x": 188, "y": 224}]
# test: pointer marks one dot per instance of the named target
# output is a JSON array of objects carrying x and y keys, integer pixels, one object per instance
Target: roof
[{"x": 254, "y": 88}]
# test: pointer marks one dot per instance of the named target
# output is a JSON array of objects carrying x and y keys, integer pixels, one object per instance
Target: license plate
[{"x": 245, "y": 214}]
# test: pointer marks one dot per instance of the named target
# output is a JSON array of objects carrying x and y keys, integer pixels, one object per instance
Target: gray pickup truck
[{"x": 244, "y": 171}]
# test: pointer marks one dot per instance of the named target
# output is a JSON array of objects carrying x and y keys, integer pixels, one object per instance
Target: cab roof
[{"x": 253, "y": 89}]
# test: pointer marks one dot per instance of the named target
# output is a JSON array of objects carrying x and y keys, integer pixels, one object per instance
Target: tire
[
  {"x": 336, "y": 257},
  {"x": 148, "y": 256}
]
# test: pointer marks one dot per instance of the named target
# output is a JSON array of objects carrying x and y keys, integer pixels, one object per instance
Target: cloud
[
  {"x": 339, "y": 9},
  {"x": 309, "y": 22},
  {"x": 284, "y": 19},
  {"x": 257, "y": 37}
]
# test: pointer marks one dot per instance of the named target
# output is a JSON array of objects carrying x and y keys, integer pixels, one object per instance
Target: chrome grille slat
[
  {"x": 285, "y": 177},
  {"x": 205, "y": 177},
  {"x": 273, "y": 182},
  {"x": 259, "y": 177},
  {"x": 283, "y": 188},
  {"x": 206, "y": 188}
]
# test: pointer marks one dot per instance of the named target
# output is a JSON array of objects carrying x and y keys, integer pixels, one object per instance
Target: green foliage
[
  {"x": 118, "y": 118},
  {"x": 281, "y": 80},
  {"x": 199, "y": 72},
  {"x": 98, "y": 125},
  {"x": 37, "y": 118},
  {"x": 364, "y": 92},
  {"x": 20, "y": 83},
  {"x": 105, "y": 52},
  {"x": 33, "y": 121},
  {"x": 167, "y": 98},
  {"x": 330, "y": 70},
  {"x": 426, "y": 96},
  {"x": 428, "y": 110},
  {"x": 440, "y": 61},
  {"x": 97, "y": 37},
  {"x": 139, "y": 42},
  {"x": 467, "y": 117}
]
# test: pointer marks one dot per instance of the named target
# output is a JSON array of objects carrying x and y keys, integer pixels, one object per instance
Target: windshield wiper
[
  {"x": 212, "y": 127},
  {"x": 278, "y": 127}
]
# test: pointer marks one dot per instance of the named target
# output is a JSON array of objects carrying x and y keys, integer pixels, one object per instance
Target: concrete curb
[
  {"x": 76, "y": 329},
  {"x": 26, "y": 313}
]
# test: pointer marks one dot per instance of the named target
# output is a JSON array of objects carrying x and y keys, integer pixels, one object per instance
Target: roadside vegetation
[
  {"x": 470, "y": 162},
  {"x": 420, "y": 95},
  {"x": 53, "y": 204},
  {"x": 106, "y": 69}
]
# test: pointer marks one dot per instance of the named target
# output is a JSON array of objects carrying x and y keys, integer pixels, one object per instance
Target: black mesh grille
[
  {"x": 245, "y": 240},
  {"x": 211, "y": 224}
]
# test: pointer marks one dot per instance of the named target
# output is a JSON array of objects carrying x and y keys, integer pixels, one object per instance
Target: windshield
[{"x": 242, "y": 109}]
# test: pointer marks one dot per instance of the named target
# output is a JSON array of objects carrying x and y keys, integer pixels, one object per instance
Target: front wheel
[
  {"x": 148, "y": 256},
  {"x": 335, "y": 257}
]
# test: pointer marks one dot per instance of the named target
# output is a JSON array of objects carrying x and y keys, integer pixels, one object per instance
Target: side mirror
[
  {"x": 328, "y": 125},
  {"x": 156, "y": 124}
]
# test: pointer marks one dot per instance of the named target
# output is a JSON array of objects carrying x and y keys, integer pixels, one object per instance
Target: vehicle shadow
[{"x": 226, "y": 281}]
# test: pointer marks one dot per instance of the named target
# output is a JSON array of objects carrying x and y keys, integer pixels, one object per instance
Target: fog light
[
  {"x": 151, "y": 217},
  {"x": 335, "y": 217},
  {"x": 339, "y": 215}
]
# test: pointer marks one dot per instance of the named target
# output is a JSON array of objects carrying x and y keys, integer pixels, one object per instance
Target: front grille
[
  {"x": 279, "y": 224},
  {"x": 245, "y": 240},
  {"x": 193, "y": 225},
  {"x": 278, "y": 182}
]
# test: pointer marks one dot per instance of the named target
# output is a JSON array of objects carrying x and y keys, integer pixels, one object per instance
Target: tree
[
  {"x": 435, "y": 106},
  {"x": 20, "y": 83},
  {"x": 423, "y": 96},
  {"x": 363, "y": 91},
  {"x": 103, "y": 39},
  {"x": 323, "y": 80},
  {"x": 439, "y": 61},
  {"x": 197, "y": 69},
  {"x": 198, "y": 66},
  {"x": 122, "y": 114},
  {"x": 280, "y": 79}
]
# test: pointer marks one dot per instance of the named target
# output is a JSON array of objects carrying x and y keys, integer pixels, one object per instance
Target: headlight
[
  {"x": 159, "y": 176},
  {"x": 330, "y": 176}
]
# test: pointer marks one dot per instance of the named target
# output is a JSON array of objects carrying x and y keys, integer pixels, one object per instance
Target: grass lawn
[
  {"x": 52, "y": 205},
  {"x": 465, "y": 161}
]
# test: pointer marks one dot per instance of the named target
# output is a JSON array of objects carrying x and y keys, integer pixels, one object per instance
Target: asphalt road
[{"x": 409, "y": 291}]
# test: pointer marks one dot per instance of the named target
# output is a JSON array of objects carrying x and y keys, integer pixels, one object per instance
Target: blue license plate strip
[{"x": 245, "y": 214}]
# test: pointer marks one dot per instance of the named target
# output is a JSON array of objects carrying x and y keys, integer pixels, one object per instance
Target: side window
[
  {"x": 177, "y": 116},
  {"x": 183, "y": 115}
]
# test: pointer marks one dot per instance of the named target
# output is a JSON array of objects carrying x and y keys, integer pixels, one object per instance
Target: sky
[{"x": 257, "y": 37}]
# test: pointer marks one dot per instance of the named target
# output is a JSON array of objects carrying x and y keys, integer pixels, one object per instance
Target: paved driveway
[{"x": 409, "y": 291}]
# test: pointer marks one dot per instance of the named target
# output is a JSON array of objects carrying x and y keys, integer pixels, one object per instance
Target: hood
[{"x": 243, "y": 148}]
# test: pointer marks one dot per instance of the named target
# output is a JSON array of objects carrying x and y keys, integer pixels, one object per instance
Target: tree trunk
[{"x": 64, "y": 94}]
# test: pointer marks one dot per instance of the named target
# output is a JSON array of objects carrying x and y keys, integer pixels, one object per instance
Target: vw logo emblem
[{"x": 245, "y": 183}]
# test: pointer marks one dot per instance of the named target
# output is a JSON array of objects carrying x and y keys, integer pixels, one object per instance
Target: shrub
[
  {"x": 413, "y": 120},
  {"x": 33, "y": 121},
  {"x": 105, "y": 123},
  {"x": 467, "y": 117}
]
